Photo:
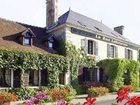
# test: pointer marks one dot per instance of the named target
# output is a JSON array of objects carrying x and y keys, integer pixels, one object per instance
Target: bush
[
  {"x": 64, "y": 92},
  {"x": 23, "y": 93},
  {"x": 92, "y": 84},
  {"x": 97, "y": 91},
  {"x": 7, "y": 97},
  {"x": 115, "y": 69},
  {"x": 80, "y": 89},
  {"x": 131, "y": 88}
]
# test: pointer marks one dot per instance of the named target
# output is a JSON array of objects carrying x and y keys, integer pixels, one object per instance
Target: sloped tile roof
[
  {"x": 80, "y": 20},
  {"x": 10, "y": 31}
]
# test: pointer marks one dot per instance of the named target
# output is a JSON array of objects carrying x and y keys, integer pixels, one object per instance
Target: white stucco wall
[
  {"x": 102, "y": 45},
  {"x": 135, "y": 54}
]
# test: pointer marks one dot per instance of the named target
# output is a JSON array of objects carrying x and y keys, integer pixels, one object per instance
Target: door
[
  {"x": 17, "y": 78},
  {"x": 44, "y": 77}
]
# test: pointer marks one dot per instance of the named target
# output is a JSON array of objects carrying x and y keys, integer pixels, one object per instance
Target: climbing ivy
[
  {"x": 72, "y": 60},
  {"x": 76, "y": 60},
  {"x": 23, "y": 60},
  {"x": 115, "y": 69}
]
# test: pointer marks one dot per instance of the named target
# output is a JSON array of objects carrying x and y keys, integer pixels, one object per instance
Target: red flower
[
  {"x": 133, "y": 101},
  {"x": 122, "y": 94},
  {"x": 90, "y": 101}
]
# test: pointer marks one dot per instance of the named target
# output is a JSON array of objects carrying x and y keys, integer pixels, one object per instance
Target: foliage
[
  {"x": 23, "y": 92},
  {"x": 24, "y": 61},
  {"x": 77, "y": 59},
  {"x": 54, "y": 64},
  {"x": 80, "y": 89},
  {"x": 92, "y": 84},
  {"x": 97, "y": 91},
  {"x": 7, "y": 97},
  {"x": 115, "y": 70},
  {"x": 66, "y": 92}
]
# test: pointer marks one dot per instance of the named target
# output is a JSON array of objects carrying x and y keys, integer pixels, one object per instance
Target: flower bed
[
  {"x": 97, "y": 91},
  {"x": 6, "y": 97}
]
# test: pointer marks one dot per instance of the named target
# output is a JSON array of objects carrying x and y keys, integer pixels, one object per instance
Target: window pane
[
  {"x": 26, "y": 41},
  {"x": 50, "y": 44},
  {"x": 90, "y": 47},
  {"x": 112, "y": 51}
]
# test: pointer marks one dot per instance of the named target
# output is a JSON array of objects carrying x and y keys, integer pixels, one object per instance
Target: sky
[{"x": 111, "y": 12}]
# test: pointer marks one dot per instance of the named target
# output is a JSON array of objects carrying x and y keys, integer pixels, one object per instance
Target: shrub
[
  {"x": 97, "y": 91},
  {"x": 7, "y": 97},
  {"x": 115, "y": 70},
  {"x": 23, "y": 93},
  {"x": 131, "y": 88},
  {"x": 80, "y": 89},
  {"x": 64, "y": 92},
  {"x": 92, "y": 84}
]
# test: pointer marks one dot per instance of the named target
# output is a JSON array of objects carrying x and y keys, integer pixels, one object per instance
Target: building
[
  {"x": 23, "y": 37},
  {"x": 93, "y": 36}
]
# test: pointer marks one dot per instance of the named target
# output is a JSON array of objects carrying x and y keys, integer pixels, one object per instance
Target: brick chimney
[
  {"x": 51, "y": 12},
  {"x": 119, "y": 29}
]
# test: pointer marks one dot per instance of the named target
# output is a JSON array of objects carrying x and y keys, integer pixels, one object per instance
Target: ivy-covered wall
[
  {"x": 34, "y": 61},
  {"x": 115, "y": 70},
  {"x": 72, "y": 61}
]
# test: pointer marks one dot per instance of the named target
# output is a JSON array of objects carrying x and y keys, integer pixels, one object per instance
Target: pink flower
[
  {"x": 28, "y": 102},
  {"x": 61, "y": 102}
]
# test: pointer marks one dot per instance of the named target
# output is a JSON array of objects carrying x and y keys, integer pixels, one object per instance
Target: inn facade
[{"x": 95, "y": 38}]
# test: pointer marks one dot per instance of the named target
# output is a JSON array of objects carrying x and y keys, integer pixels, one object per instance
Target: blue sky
[{"x": 111, "y": 12}]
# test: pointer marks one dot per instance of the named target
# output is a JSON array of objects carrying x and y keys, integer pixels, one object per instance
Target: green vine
[
  {"x": 13, "y": 60},
  {"x": 115, "y": 69},
  {"x": 76, "y": 60}
]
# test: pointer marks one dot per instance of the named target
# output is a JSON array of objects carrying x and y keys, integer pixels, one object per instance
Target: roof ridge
[{"x": 20, "y": 23}]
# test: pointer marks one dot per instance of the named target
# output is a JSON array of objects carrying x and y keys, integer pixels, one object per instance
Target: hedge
[{"x": 115, "y": 69}]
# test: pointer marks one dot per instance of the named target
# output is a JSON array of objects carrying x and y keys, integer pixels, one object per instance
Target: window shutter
[
  {"x": 96, "y": 48},
  {"x": 126, "y": 53},
  {"x": 131, "y": 54},
  {"x": 108, "y": 50},
  {"x": 116, "y": 52},
  {"x": 84, "y": 45}
]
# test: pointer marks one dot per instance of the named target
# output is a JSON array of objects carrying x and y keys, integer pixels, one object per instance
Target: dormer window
[
  {"x": 27, "y": 37},
  {"x": 50, "y": 44},
  {"x": 27, "y": 40}
]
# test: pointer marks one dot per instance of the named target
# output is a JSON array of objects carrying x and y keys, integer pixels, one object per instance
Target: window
[
  {"x": 62, "y": 78},
  {"x": 50, "y": 44},
  {"x": 27, "y": 39},
  {"x": 128, "y": 54},
  {"x": 5, "y": 78},
  {"x": 90, "y": 47},
  {"x": 33, "y": 78},
  {"x": 112, "y": 51}
]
